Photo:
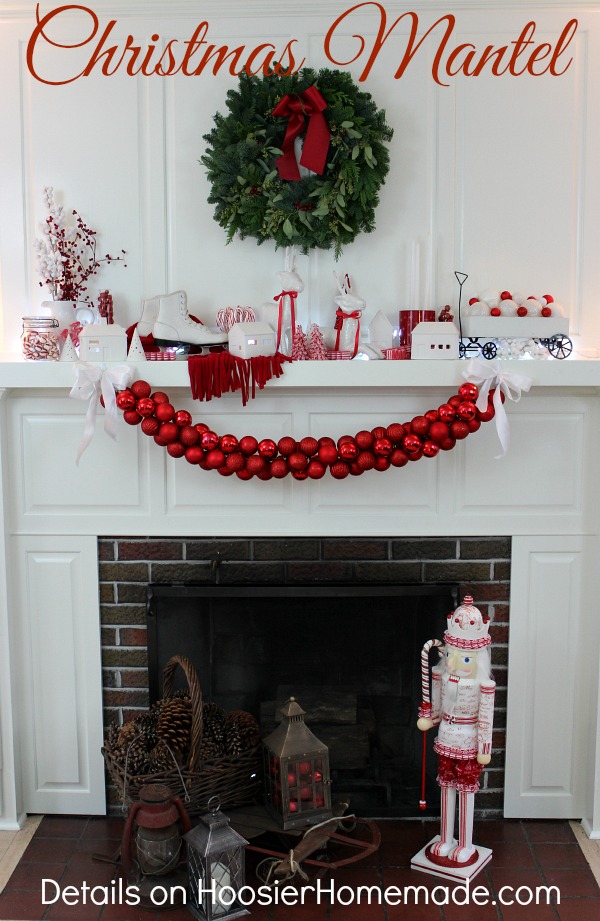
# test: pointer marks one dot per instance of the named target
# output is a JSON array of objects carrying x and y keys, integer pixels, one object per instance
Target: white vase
[{"x": 64, "y": 311}]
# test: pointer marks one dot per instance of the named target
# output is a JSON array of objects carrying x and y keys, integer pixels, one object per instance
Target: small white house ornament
[
  {"x": 247, "y": 340},
  {"x": 103, "y": 342},
  {"x": 434, "y": 340}
]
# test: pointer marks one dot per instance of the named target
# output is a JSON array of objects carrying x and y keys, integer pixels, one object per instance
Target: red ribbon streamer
[
  {"x": 340, "y": 316},
  {"x": 221, "y": 372},
  {"x": 309, "y": 104},
  {"x": 280, "y": 297}
]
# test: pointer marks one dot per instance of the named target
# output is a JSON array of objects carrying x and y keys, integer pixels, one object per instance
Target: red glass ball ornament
[
  {"x": 297, "y": 461},
  {"x": 132, "y": 417},
  {"x": 455, "y": 401},
  {"x": 398, "y": 458},
  {"x": 381, "y": 464},
  {"x": 417, "y": 455},
  {"x": 438, "y": 431},
  {"x": 344, "y": 439},
  {"x": 446, "y": 413},
  {"x": 348, "y": 451},
  {"x": 286, "y": 446},
  {"x": 248, "y": 444},
  {"x": 522, "y": 311},
  {"x": 293, "y": 807},
  {"x": 160, "y": 397},
  {"x": 327, "y": 454},
  {"x": 316, "y": 470},
  {"x": 383, "y": 447},
  {"x": 468, "y": 391},
  {"x": 300, "y": 474},
  {"x": 175, "y": 448},
  {"x": 202, "y": 463},
  {"x": 150, "y": 426},
  {"x": 491, "y": 396},
  {"x": 473, "y": 300},
  {"x": 326, "y": 440},
  {"x": 194, "y": 454},
  {"x": 125, "y": 400},
  {"x": 366, "y": 460},
  {"x": 474, "y": 425},
  {"x": 548, "y": 298},
  {"x": 201, "y": 427},
  {"x": 431, "y": 415},
  {"x": 255, "y": 463},
  {"x": 141, "y": 389},
  {"x": 189, "y": 435},
  {"x": 267, "y": 448},
  {"x": 235, "y": 461},
  {"x": 339, "y": 470},
  {"x": 309, "y": 446},
  {"x": 448, "y": 443},
  {"x": 215, "y": 458},
  {"x": 378, "y": 432},
  {"x": 546, "y": 311},
  {"x": 228, "y": 443},
  {"x": 419, "y": 425},
  {"x": 430, "y": 449},
  {"x": 183, "y": 417},
  {"x": 364, "y": 440},
  {"x": 495, "y": 312},
  {"x": 145, "y": 406},
  {"x": 466, "y": 411},
  {"x": 279, "y": 468},
  {"x": 224, "y": 471},
  {"x": 487, "y": 414},
  {"x": 395, "y": 432},
  {"x": 209, "y": 440},
  {"x": 506, "y": 296},
  {"x": 244, "y": 474},
  {"x": 164, "y": 412},
  {"x": 356, "y": 469},
  {"x": 459, "y": 429},
  {"x": 168, "y": 432},
  {"x": 160, "y": 441},
  {"x": 411, "y": 444},
  {"x": 265, "y": 474}
]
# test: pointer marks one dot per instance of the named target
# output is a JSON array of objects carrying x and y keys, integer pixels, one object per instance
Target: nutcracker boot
[
  {"x": 175, "y": 327},
  {"x": 465, "y": 850},
  {"x": 145, "y": 324},
  {"x": 447, "y": 840}
]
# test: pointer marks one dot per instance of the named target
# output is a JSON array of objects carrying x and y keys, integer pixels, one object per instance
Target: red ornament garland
[{"x": 381, "y": 448}]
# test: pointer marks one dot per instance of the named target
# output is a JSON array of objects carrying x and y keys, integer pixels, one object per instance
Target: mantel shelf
[{"x": 313, "y": 375}]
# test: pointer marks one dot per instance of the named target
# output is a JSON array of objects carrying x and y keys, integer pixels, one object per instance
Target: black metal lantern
[
  {"x": 216, "y": 870},
  {"x": 297, "y": 784}
]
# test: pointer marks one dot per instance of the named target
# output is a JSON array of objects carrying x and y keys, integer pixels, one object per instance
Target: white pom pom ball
[
  {"x": 518, "y": 298},
  {"x": 534, "y": 308},
  {"x": 508, "y": 308},
  {"x": 491, "y": 296},
  {"x": 478, "y": 309},
  {"x": 558, "y": 310}
]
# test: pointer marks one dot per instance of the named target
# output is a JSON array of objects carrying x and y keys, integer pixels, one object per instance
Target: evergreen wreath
[{"x": 324, "y": 211}]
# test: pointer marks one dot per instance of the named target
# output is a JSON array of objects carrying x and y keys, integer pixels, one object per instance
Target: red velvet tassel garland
[{"x": 221, "y": 372}]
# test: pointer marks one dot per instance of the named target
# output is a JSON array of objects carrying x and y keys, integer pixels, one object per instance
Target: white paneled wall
[{"x": 492, "y": 175}]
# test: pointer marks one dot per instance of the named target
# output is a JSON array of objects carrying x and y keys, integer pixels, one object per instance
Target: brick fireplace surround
[{"x": 480, "y": 566}]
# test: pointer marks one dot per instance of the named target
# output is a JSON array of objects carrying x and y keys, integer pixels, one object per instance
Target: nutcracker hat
[{"x": 467, "y": 628}]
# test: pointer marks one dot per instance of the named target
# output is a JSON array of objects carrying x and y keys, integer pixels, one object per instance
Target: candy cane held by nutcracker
[
  {"x": 509, "y": 385},
  {"x": 425, "y": 708}
]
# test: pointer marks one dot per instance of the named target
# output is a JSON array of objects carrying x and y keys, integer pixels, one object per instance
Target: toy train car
[{"x": 479, "y": 334}]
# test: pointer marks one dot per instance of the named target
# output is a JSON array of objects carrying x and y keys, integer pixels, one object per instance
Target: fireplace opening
[{"x": 350, "y": 654}]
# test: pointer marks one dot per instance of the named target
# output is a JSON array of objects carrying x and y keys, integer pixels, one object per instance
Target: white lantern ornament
[{"x": 462, "y": 706}]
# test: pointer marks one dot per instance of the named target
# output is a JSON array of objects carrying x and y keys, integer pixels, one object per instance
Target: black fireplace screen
[{"x": 349, "y": 654}]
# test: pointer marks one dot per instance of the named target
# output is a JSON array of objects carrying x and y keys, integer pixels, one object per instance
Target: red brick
[
  {"x": 122, "y": 697},
  {"x": 499, "y": 634},
  {"x": 134, "y": 678},
  {"x": 150, "y": 550},
  {"x": 133, "y": 636},
  {"x": 108, "y": 636}
]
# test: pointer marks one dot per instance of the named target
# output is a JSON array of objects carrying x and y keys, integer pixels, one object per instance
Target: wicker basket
[{"x": 235, "y": 779}]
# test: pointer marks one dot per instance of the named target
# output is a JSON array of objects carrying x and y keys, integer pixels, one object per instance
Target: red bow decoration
[
  {"x": 309, "y": 104},
  {"x": 340, "y": 316}
]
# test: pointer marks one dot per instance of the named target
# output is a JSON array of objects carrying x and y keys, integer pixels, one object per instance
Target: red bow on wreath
[{"x": 297, "y": 107}]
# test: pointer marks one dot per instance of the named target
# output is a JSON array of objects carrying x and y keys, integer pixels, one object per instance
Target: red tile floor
[{"x": 526, "y": 854}]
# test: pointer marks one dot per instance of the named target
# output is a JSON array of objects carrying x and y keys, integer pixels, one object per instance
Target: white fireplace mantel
[{"x": 544, "y": 495}]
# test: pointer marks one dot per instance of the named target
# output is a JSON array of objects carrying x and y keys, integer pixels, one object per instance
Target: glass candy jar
[{"x": 39, "y": 339}]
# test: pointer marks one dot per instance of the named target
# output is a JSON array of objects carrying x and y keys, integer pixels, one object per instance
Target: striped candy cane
[{"x": 425, "y": 708}]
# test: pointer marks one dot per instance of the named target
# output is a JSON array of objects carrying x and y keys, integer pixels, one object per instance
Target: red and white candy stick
[{"x": 425, "y": 708}]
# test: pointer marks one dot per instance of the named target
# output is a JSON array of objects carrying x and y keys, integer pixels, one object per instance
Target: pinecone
[
  {"x": 209, "y": 751},
  {"x": 242, "y": 732},
  {"x": 214, "y": 726},
  {"x": 174, "y": 724},
  {"x": 136, "y": 758},
  {"x": 127, "y": 734},
  {"x": 146, "y": 729},
  {"x": 161, "y": 758}
]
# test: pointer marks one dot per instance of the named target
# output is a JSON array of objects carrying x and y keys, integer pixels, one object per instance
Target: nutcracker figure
[{"x": 461, "y": 704}]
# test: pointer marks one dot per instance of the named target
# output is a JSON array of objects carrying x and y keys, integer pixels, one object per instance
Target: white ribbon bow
[
  {"x": 490, "y": 374},
  {"x": 91, "y": 380}
]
